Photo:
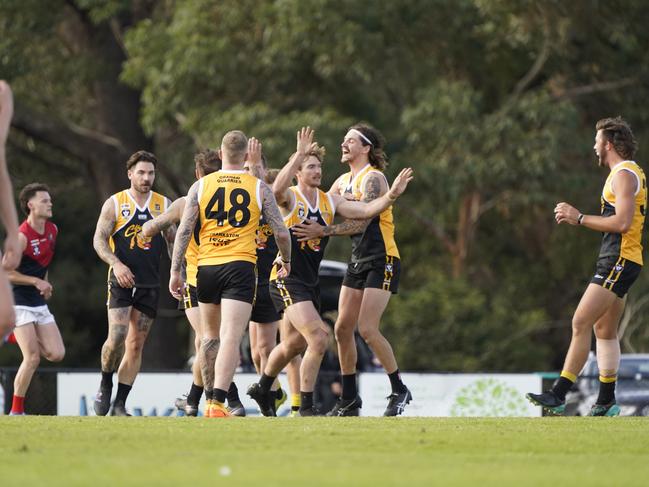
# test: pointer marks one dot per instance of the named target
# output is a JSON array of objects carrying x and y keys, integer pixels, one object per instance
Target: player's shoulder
[
  {"x": 25, "y": 228},
  {"x": 119, "y": 195},
  {"x": 51, "y": 228}
]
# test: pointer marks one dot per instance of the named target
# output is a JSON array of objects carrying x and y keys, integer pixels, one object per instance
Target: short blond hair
[{"x": 234, "y": 146}]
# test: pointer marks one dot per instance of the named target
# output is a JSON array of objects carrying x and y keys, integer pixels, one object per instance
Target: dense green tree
[{"x": 493, "y": 102}]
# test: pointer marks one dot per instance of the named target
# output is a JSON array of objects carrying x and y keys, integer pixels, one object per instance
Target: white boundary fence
[{"x": 435, "y": 395}]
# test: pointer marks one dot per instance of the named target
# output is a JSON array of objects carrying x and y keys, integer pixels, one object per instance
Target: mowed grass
[{"x": 40, "y": 450}]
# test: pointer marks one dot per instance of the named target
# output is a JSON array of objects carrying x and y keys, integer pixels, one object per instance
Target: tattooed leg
[
  {"x": 113, "y": 349},
  {"x": 210, "y": 342},
  {"x": 209, "y": 350},
  {"x": 138, "y": 330}
]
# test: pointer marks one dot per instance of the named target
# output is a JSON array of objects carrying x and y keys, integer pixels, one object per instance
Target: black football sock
[
  {"x": 194, "y": 396},
  {"x": 561, "y": 387},
  {"x": 106, "y": 380},
  {"x": 219, "y": 395},
  {"x": 398, "y": 387},
  {"x": 266, "y": 382},
  {"x": 122, "y": 393},
  {"x": 349, "y": 386},
  {"x": 307, "y": 400},
  {"x": 606, "y": 393},
  {"x": 233, "y": 393}
]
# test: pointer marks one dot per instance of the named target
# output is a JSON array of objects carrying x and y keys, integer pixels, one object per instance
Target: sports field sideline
[{"x": 41, "y": 450}]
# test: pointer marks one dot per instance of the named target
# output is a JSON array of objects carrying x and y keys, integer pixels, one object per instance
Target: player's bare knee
[
  {"x": 32, "y": 360},
  {"x": 605, "y": 332},
  {"x": 319, "y": 341},
  {"x": 117, "y": 335},
  {"x": 55, "y": 355},
  {"x": 580, "y": 326},
  {"x": 294, "y": 346},
  {"x": 343, "y": 332},
  {"x": 265, "y": 349},
  {"x": 134, "y": 345},
  {"x": 368, "y": 333}
]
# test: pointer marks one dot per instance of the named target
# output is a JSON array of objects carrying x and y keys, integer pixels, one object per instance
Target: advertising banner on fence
[
  {"x": 153, "y": 394},
  {"x": 478, "y": 395},
  {"x": 455, "y": 394}
]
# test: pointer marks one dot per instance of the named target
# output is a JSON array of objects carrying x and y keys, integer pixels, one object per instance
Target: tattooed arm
[
  {"x": 183, "y": 236},
  {"x": 359, "y": 209},
  {"x": 164, "y": 221},
  {"x": 283, "y": 238},
  {"x": 169, "y": 235},
  {"x": 105, "y": 224},
  {"x": 374, "y": 186}
]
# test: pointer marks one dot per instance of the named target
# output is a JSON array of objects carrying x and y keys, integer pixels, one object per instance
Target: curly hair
[
  {"x": 618, "y": 132},
  {"x": 377, "y": 156}
]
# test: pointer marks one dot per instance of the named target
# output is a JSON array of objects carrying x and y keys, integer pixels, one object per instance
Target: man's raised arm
[
  {"x": 358, "y": 209},
  {"x": 284, "y": 179}
]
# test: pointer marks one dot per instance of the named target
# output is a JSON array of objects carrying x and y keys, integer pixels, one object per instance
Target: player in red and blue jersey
[{"x": 36, "y": 331}]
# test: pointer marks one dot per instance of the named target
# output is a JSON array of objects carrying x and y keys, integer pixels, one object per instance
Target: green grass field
[{"x": 40, "y": 450}]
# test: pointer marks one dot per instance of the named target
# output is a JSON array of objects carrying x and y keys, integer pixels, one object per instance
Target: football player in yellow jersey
[
  {"x": 228, "y": 204},
  {"x": 265, "y": 320},
  {"x": 206, "y": 162},
  {"x": 298, "y": 295},
  {"x": 624, "y": 202},
  {"x": 133, "y": 278},
  {"x": 373, "y": 271},
  {"x": 8, "y": 215}
]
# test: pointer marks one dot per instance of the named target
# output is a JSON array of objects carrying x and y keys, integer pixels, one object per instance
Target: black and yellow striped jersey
[
  {"x": 229, "y": 212},
  {"x": 266, "y": 251},
  {"x": 378, "y": 238},
  {"x": 141, "y": 255},
  {"x": 306, "y": 256},
  {"x": 626, "y": 245}
]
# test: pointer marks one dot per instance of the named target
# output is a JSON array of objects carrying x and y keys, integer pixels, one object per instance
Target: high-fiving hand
[
  {"x": 400, "y": 183},
  {"x": 304, "y": 140}
]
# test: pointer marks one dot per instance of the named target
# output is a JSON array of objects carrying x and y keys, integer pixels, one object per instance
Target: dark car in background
[
  {"x": 632, "y": 391},
  {"x": 331, "y": 276}
]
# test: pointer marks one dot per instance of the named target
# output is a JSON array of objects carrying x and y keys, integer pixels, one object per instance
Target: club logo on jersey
[
  {"x": 263, "y": 234},
  {"x": 135, "y": 233},
  {"x": 313, "y": 244},
  {"x": 125, "y": 210},
  {"x": 301, "y": 210},
  {"x": 36, "y": 249}
]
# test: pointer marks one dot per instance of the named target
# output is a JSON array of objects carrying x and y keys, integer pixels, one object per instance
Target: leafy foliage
[{"x": 492, "y": 102}]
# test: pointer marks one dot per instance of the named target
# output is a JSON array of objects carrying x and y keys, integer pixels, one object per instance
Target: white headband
[{"x": 360, "y": 134}]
